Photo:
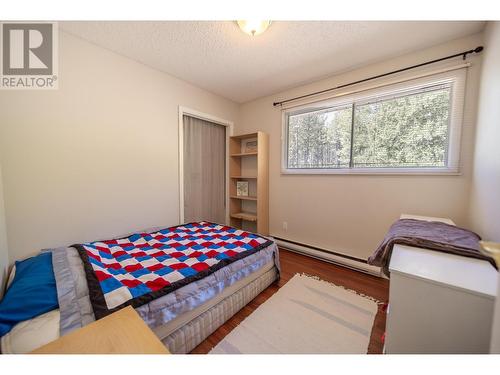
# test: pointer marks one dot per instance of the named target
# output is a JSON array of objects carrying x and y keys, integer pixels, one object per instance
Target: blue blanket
[{"x": 33, "y": 292}]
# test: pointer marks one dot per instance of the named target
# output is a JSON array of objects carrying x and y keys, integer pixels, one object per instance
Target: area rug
[{"x": 308, "y": 316}]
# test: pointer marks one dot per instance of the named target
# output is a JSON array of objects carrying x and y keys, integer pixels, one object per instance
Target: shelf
[
  {"x": 245, "y": 136},
  {"x": 244, "y": 198},
  {"x": 245, "y": 154},
  {"x": 244, "y": 216},
  {"x": 249, "y": 163}
]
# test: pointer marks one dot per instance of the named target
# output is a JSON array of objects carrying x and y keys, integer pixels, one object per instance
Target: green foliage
[
  {"x": 407, "y": 131},
  {"x": 320, "y": 140}
]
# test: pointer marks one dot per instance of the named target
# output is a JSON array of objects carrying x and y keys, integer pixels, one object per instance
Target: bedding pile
[
  {"x": 170, "y": 276},
  {"x": 430, "y": 235},
  {"x": 137, "y": 269}
]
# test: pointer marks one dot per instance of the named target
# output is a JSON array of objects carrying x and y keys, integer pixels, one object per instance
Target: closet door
[{"x": 204, "y": 170}]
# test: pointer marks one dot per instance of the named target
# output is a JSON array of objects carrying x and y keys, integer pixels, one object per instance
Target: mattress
[
  {"x": 165, "y": 316},
  {"x": 164, "y": 330},
  {"x": 187, "y": 337}
]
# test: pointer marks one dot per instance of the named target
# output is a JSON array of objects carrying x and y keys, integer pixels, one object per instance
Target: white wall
[
  {"x": 485, "y": 190},
  {"x": 98, "y": 157},
  {"x": 350, "y": 214},
  {"x": 4, "y": 254}
]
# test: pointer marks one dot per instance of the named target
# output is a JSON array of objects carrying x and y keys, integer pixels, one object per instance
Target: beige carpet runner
[{"x": 306, "y": 315}]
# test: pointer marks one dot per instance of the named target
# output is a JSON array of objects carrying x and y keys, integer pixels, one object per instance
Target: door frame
[{"x": 229, "y": 132}]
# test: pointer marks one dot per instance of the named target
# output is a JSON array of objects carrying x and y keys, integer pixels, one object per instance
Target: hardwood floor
[{"x": 292, "y": 263}]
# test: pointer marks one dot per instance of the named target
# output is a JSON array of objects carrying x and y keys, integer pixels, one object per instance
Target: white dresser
[{"x": 439, "y": 303}]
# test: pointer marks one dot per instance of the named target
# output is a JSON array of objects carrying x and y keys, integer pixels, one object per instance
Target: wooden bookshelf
[
  {"x": 249, "y": 212},
  {"x": 245, "y": 154},
  {"x": 244, "y": 216},
  {"x": 244, "y": 198}
]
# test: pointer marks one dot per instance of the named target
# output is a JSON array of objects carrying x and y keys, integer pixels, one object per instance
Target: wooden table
[{"x": 123, "y": 332}]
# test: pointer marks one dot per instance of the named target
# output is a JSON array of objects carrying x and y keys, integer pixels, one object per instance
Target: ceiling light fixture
[{"x": 253, "y": 27}]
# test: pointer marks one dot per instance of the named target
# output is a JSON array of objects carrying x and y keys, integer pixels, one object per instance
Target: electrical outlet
[{"x": 285, "y": 225}]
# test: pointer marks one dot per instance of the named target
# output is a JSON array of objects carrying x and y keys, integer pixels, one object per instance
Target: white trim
[
  {"x": 329, "y": 257},
  {"x": 455, "y": 76},
  {"x": 229, "y": 132},
  {"x": 375, "y": 171}
]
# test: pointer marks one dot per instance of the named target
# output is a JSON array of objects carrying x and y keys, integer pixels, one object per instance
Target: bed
[{"x": 232, "y": 267}]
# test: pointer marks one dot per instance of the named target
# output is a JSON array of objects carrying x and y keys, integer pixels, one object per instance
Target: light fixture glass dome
[{"x": 253, "y": 27}]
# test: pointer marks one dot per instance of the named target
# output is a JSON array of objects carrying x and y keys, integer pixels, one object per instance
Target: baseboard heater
[{"x": 340, "y": 259}]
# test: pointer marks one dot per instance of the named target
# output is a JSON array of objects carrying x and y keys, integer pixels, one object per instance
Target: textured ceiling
[{"x": 220, "y": 58}]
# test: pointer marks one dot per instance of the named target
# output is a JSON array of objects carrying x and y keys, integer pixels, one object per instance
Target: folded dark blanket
[{"x": 430, "y": 235}]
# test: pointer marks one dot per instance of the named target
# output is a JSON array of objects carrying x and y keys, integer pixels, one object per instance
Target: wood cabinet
[
  {"x": 123, "y": 332},
  {"x": 251, "y": 165}
]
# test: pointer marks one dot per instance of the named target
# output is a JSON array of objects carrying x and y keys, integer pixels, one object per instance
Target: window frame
[{"x": 457, "y": 80}]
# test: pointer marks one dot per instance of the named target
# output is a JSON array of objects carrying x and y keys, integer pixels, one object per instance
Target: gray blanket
[{"x": 430, "y": 235}]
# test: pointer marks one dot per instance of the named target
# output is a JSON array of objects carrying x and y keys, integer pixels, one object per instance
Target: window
[{"x": 412, "y": 127}]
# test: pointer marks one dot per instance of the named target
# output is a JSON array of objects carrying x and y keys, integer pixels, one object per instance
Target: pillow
[{"x": 33, "y": 292}]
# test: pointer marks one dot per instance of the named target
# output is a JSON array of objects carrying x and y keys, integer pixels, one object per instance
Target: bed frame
[{"x": 191, "y": 334}]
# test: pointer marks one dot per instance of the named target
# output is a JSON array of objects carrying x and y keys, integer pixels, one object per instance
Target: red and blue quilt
[{"x": 141, "y": 267}]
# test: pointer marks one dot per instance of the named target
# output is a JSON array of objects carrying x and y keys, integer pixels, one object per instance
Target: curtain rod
[
  {"x": 463, "y": 54},
  {"x": 377, "y": 85}
]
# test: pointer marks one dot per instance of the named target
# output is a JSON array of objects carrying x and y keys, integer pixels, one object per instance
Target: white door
[{"x": 204, "y": 170}]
